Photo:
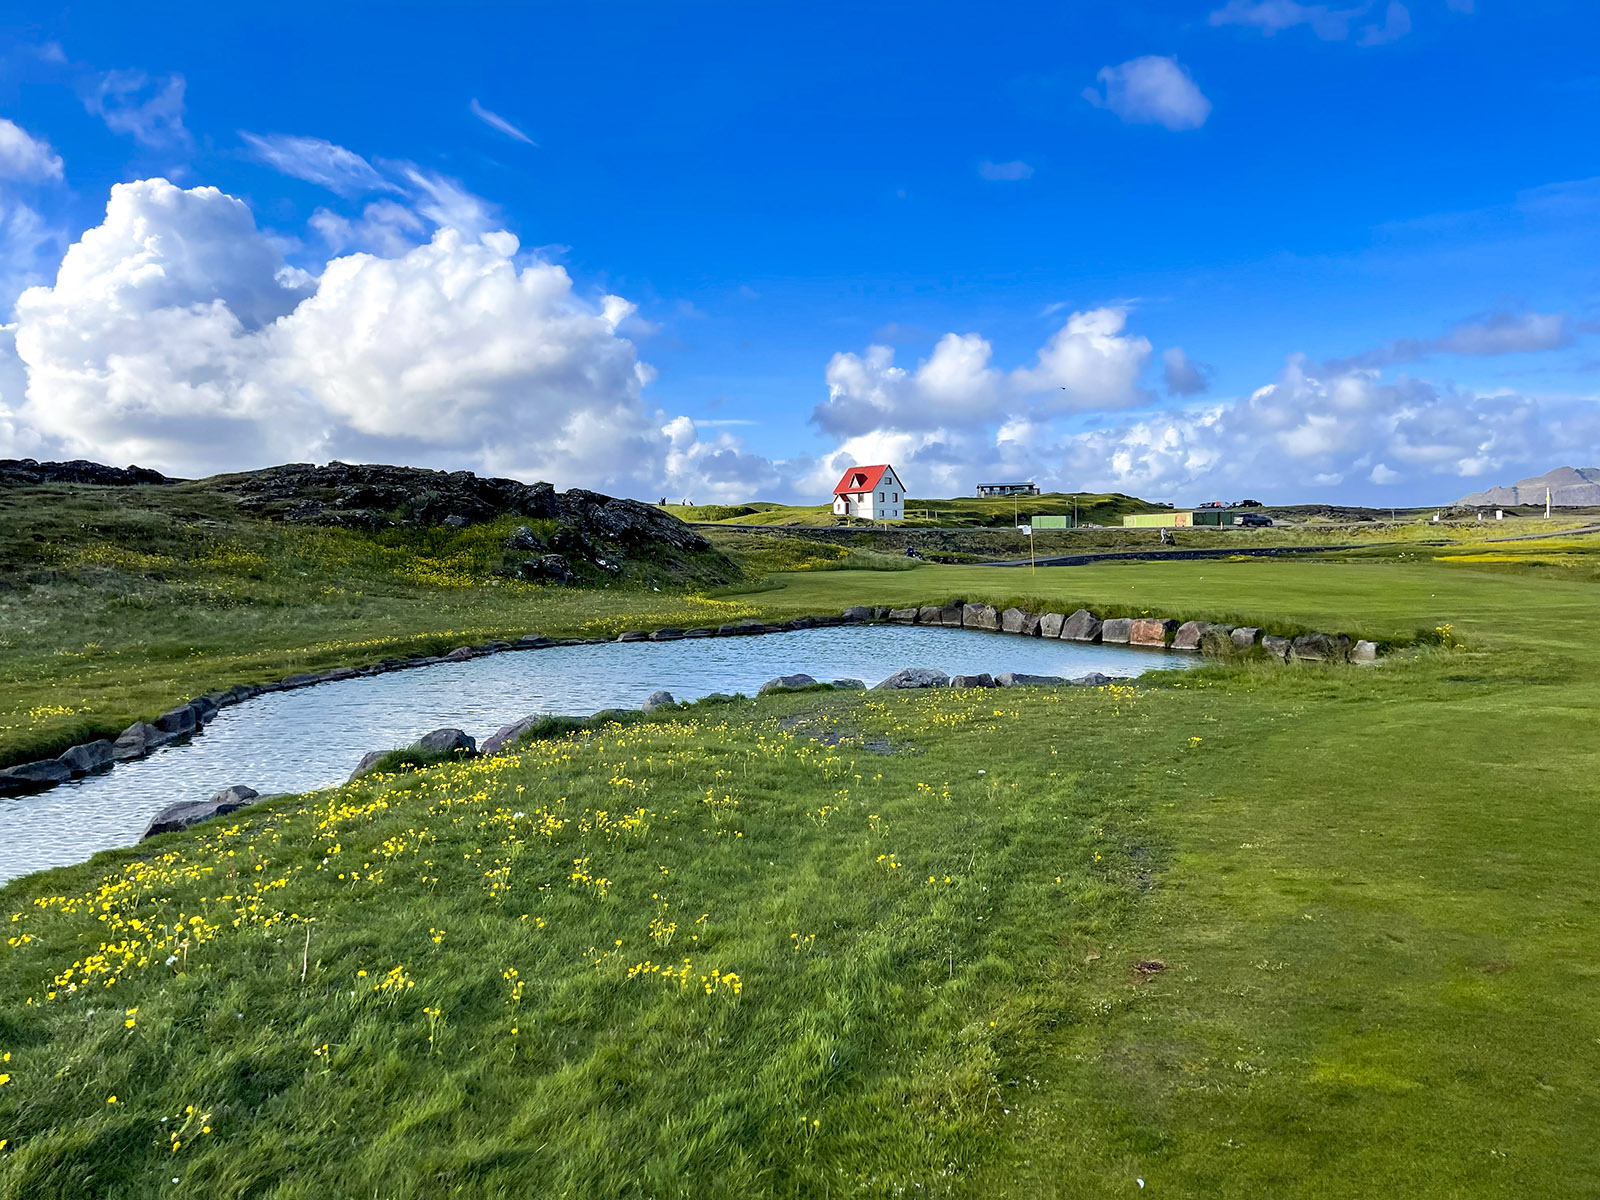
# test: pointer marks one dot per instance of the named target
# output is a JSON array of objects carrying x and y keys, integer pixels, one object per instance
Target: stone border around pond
[{"x": 143, "y": 738}]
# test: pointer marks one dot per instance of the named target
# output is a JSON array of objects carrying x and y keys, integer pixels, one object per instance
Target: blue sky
[{"x": 1297, "y": 251}]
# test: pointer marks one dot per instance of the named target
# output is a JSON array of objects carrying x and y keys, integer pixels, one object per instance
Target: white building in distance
[{"x": 873, "y": 493}]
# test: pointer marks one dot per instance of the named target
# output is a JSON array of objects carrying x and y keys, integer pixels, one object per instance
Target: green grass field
[
  {"x": 1240, "y": 932},
  {"x": 962, "y": 511}
]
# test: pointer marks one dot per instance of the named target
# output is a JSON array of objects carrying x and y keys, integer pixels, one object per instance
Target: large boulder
[
  {"x": 850, "y": 685},
  {"x": 980, "y": 616},
  {"x": 509, "y": 735},
  {"x": 1189, "y": 635},
  {"x": 903, "y": 616},
  {"x": 785, "y": 683},
  {"x": 446, "y": 741},
  {"x": 191, "y": 812},
  {"x": 33, "y": 777},
  {"x": 177, "y": 721},
  {"x": 1217, "y": 641},
  {"x": 984, "y": 680},
  {"x": 1018, "y": 679},
  {"x": 667, "y": 635},
  {"x": 1364, "y": 652},
  {"x": 1092, "y": 679},
  {"x": 1031, "y": 623},
  {"x": 1320, "y": 647},
  {"x": 915, "y": 677},
  {"x": 1245, "y": 637},
  {"x": 1084, "y": 626},
  {"x": 857, "y": 612},
  {"x": 930, "y": 614},
  {"x": 658, "y": 699},
  {"x": 1050, "y": 625},
  {"x": 1014, "y": 620},
  {"x": 139, "y": 739},
  {"x": 91, "y": 756},
  {"x": 952, "y": 615},
  {"x": 633, "y": 635},
  {"x": 1151, "y": 631},
  {"x": 1278, "y": 647},
  {"x": 1114, "y": 631}
]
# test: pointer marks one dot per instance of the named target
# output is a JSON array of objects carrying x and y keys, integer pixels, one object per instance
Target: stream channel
[{"x": 298, "y": 741}]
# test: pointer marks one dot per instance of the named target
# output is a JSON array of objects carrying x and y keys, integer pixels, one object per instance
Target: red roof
[{"x": 861, "y": 479}]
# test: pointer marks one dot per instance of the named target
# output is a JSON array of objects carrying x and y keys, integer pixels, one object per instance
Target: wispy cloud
[
  {"x": 1487, "y": 335},
  {"x": 1005, "y": 172},
  {"x": 146, "y": 109},
  {"x": 318, "y": 161},
  {"x": 1329, "y": 23},
  {"x": 495, "y": 121}
]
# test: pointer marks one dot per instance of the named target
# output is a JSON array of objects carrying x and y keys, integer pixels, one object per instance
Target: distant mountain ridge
[{"x": 1568, "y": 486}]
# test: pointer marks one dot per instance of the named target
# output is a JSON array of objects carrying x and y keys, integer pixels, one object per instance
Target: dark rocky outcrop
[
  {"x": 28, "y": 472},
  {"x": 1278, "y": 647},
  {"x": 191, "y": 812},
  {"x": 91, "y": 756},
  {"x": 447, "y": 741},
  {"x": 784, "y": 683},
  {"x": 1320, "y": 647},
  {"x": 139, "y": 739},
  {"x": 33, "y": 777},
  {"x": 983, "y": 680},
  {"x": 1019, "y": 679},
  {"x": 915, "y": 677},
  {"x": 509, "y": 735}
]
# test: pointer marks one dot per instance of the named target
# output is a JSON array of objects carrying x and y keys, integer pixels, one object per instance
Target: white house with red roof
[{"x": 873, "y": 493}]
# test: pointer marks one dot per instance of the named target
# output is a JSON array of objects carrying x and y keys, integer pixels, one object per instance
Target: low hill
[
  {"x": 1091, "y": 508},
  {"x": 1567, "y": 487}
]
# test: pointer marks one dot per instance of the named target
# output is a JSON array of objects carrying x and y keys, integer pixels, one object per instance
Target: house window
[{"x": 880, "y": 497}]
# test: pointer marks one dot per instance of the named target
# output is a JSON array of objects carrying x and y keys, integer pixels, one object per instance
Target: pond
[{"x": 312, "y": 738}]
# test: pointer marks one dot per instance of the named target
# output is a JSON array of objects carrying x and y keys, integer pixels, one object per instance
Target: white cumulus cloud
[{"x": 1153, "y": 90}]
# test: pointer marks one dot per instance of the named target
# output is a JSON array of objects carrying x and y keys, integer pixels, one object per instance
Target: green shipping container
[
  {"x": 1156, "y": 520},
  {"x": 1061, "y": 522},
  {"x": 1210, "y": 516}
]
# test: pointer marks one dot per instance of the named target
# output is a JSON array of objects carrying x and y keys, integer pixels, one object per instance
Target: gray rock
[
  {"x": 339, "y": 673},
  {"x": 1114, "y": 631},
  {"x": 980, "y": 616},
  {"x": 953, "y": 614},
  {"x": 633, "y": 635},
  {"x": 753, "y": 628},
  {"x": 903, "y": 616},
  {"x": 1320, "y": 647},
  {"x": 699, "y": 633},
  {"x": 1217, "y": 641},
  {"x": 34, "y": 776},
  {"x": 461, "y": 654},
  {"x": 1031, "y": 624},
  {"x": 191, "y": 812},
  {"x": 523, "y": 540},
  {"x": 983, "y": 680},
  {"x": 446, "y": 741},
  {"x": 930, "y": 614},
  {"x": 303, "y": 679},
  {"x": 1245, "y": 637},
  {"x": 659, "y": 699},
  {"x": 1012, "y": 620},
  {"x": 455, "y": 521},
  {"x": 801, "y": 623},
  {"x": 1092, "y": 679},
  {"x": 1189, "y": 635},
  {"x": 1276, "y": 646},
  {"x": 857, "y": 612},
  {"x": 1050, "y": 625},
  {"x": 1364, "y": 652},
  {"x": 369, "y": 760},
  {"x": 1018, "y": 679},
  {"x": 90, "y": 756},
  {"x": 667, "y": 635},
  {"x": 785, "y": 683},
  {"x": 509, "y": 735},
  {"x": 724, "y": 631},
  {"x": 1084, "y": 626},
  {"x": 177, "y": 721},
  {"x": 137, "y": 740},
  {"x": 850, "y": 685},
  {"x": 205, "y": 708},
  {"x": 915, "y": 677},
  {"x": 533, "y": 641}
]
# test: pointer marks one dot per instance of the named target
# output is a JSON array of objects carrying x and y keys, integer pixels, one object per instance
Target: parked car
[{"x": 1253, "y": 518}]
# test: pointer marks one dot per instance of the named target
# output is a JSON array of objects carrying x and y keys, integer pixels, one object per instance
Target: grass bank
[{"x": 1246, "y": 932}]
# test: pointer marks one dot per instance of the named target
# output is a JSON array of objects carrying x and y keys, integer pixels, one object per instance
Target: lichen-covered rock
[
  {"x": 1084, "y": 626},
  {"x": 1114, "y": 631},
  {"x": 982, "y": 680},
  {"x": 1320, "y": 647},
  {"x": 784, "y": 683},
  {"x": 980, "y": 616},
  {"x": 1151, "y": 631},
  {"x": 1050, "y": 625},
  {"x": 915, "y": 677}
]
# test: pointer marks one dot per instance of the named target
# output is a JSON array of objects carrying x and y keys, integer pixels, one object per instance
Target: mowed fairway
[{"x": 1246, "y": 931}]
